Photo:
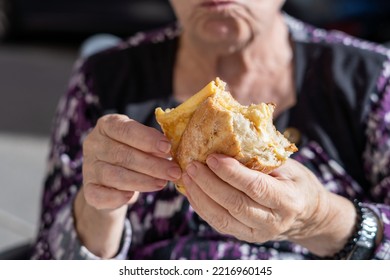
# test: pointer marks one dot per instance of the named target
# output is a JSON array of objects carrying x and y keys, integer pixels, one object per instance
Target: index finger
[
  {"x": 132, "y": 133},
  {"x": 260, "y": 187}
]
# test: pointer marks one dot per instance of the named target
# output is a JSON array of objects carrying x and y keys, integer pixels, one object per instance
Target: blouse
[{"x": 342, "y": 115}]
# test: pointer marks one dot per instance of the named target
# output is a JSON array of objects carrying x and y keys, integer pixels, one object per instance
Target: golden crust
[
  {"x": 173, "y": 122},
  {"x": 209, "y": 131}
]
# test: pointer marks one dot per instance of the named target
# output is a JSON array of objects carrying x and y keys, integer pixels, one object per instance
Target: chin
[{"x": 224, "y": 34}]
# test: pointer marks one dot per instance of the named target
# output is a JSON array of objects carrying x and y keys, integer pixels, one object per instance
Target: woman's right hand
[{"x": 121, "y": 158}]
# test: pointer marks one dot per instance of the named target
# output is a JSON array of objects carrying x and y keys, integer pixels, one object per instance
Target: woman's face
[{"x": 228, "y": 23}]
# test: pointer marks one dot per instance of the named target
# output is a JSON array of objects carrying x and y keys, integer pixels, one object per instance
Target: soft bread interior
[{"x": 261, "y": 146}]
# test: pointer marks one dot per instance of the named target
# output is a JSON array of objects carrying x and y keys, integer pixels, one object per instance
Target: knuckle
[
  {"x": 231, "y": 174},
  {"x": 129, "y": 159},
  {"x": 117, "y": 154},
  {"x": 275, "y": 225},
  {"x": 106, "y": 174},
  {"x": 123, "y": 156},
  {"x": 105, "y": 122},
  {"x": 87, "y": 172},
  {"x": 256, "y": 188},
  {"x": 91, "y": 196},
  {"x": 118, "y": 175},
  {"x": 103, "y": 200},
  {"x": 207, "y": 184},
  {"x": 108, "y": 120},
  {"x": 221, "y": 224},
  {"x": 236, "y": 205},
  {"x": 115, "y": 122},
  {"x": 123, "y": 129},
  {"x": 270, "y": 220},
  {"x": 154, "y": 165},
  {"x": 89, "y": 143}
]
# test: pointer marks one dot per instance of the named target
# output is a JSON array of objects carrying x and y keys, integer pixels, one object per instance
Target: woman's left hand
[{"x": 288, "y": 204}]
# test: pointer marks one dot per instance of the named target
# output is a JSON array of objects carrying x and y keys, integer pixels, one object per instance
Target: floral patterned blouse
[{"x": 342, "y": 116}]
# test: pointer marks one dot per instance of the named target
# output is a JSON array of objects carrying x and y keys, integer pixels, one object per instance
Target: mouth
[{"x": 216, "y": 4}]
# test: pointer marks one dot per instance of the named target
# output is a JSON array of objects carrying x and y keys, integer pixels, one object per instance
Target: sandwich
[{"x": 212, "y": 121}]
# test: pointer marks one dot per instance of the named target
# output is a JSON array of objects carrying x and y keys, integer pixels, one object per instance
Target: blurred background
[{"x": 39, "y": 42}]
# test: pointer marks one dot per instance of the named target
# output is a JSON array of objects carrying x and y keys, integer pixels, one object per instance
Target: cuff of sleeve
[
  {"x": 382, "y": 250},
  {"x": 65, "y": 244}
]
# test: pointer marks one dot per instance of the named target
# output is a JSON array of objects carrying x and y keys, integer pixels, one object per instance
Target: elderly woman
[{"x": 109, "y": 190}]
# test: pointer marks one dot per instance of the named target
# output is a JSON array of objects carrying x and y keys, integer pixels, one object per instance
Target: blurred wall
[
  {"x": 368, "y": 19},
  {"x": 33, "y": 76}
]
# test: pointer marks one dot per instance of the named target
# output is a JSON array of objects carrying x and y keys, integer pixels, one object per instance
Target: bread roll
[{"x": 211, "y": 121}]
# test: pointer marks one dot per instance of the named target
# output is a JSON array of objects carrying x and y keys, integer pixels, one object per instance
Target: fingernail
[
  {"x": 191, "y": 169},
  {"x": 174, "y": 172},
  {"x": 164, "y": 146},
  {"x": 161, "y": 183},
  {"x": 212, "y": 162},
  {"x": 129, "y": 195}
]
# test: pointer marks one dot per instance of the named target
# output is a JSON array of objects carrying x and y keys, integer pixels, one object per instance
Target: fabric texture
[{"x": 342, "y": 114}]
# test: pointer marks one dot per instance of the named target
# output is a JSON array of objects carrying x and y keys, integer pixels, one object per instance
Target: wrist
[
  {"x": 330, "y": 227},
  {"x": 368, "y": 234},
  {"x": 99, "y": 230}
]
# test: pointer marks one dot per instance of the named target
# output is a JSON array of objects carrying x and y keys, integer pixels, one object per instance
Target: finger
[
  {"x": 125, "y": 180},
  {"x": 134, "y": 134},
  {"x": 132, "y": 159},
  {"x": 103, "y": 198},
  {"x": 260, "y": 187},
  {"x": 237, "y": 203},
  {"x": 214, "y": 214},
  {"x": 287, "y": 171}
]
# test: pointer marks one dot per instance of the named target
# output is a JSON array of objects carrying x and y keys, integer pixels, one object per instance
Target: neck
[{"x": 265, "y": 57}]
